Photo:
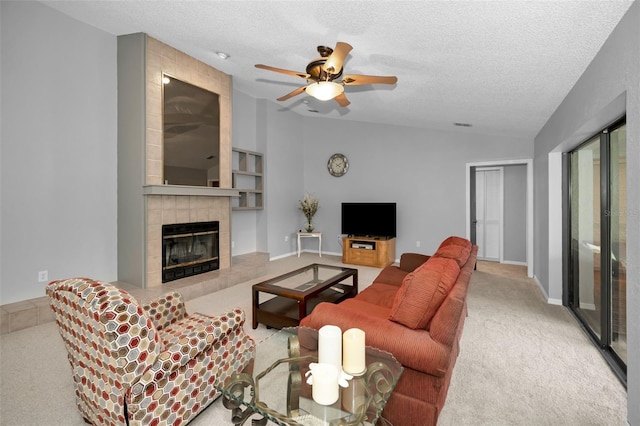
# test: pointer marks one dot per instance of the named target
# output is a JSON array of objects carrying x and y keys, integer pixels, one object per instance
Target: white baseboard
[
  {"x": 513, "y": 262},
  {"x": 587, "y": 306},
  {"x": 549, "y": 300},
  {"x": 295, "y": 253},
  {"x": 282, "y": 256}
]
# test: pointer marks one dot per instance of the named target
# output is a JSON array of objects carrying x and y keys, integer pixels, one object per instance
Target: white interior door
[{"x": 489, "y": 201}]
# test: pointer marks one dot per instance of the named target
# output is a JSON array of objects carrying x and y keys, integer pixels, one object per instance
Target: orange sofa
[{"x": 416, "y": 311}]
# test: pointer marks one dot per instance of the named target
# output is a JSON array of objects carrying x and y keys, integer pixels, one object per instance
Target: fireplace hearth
[{"x": 189, "y": 249}]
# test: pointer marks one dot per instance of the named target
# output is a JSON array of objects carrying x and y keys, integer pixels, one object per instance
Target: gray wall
[
  {"x": 58, "y": 170},
  {"x": 609, "y": 87},
  {"x": 515, "y": 213},
  {"x": 244, "y": 223},
  {"x": 423, "y": 171},
  {"x": 262, "y": 126},
  {"x": 284, "y": 135}
]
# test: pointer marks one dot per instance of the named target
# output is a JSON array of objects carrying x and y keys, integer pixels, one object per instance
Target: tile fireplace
[
  {"x": 189, "y": 249},
  {"x": 145, "y": 202}
]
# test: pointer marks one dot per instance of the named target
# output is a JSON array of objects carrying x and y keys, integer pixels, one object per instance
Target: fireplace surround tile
[{"x": 184, "y": 209}]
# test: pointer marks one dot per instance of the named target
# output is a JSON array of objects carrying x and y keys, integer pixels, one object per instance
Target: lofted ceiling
[{"x": 501, "y": 66}]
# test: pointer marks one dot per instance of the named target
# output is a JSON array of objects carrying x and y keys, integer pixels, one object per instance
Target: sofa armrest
[
  {"x": 412, "y": 348},
  {"x": 410, "y": 261},
  {"x": 165, "y": 310}
]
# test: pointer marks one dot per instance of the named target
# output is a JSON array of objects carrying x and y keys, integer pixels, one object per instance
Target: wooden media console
[{"x": 368, "y": 251}]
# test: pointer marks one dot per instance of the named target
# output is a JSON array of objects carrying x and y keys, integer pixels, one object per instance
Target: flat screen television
[{"x": 369, "y": 219}]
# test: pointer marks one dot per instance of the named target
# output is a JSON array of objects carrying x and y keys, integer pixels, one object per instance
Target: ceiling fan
[{"x": 322, "y": 74}]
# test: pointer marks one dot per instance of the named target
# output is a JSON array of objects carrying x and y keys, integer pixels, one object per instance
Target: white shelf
[{"x": 247, "y": 179}]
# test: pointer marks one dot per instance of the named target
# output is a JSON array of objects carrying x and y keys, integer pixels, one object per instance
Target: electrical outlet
[
  {"x": 43, "y": 276},
  {"x": 286, "y": 238},
  {"x": 417, "y": 243}
]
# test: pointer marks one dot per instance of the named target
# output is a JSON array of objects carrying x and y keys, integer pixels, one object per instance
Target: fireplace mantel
[{"x": 204, "y": 191}]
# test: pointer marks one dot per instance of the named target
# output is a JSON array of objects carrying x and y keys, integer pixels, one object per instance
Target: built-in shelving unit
[{"x": 247, "y": 179}]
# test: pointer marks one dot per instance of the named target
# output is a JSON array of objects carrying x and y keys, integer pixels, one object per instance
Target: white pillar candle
[
  {"x": 324, "y": 387},
  {"x": 330, "y": 345},
  {"x": 353, "y": 359}
]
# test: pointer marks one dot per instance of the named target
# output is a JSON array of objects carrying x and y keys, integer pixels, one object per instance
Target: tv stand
[{"x": 368, "y": 251}]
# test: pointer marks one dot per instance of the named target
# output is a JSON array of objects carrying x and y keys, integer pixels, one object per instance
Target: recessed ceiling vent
[{"x": 462, "y": 124}]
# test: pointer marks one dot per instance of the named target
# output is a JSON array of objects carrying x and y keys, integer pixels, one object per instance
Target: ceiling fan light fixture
[{"x": 324, "y": 90}]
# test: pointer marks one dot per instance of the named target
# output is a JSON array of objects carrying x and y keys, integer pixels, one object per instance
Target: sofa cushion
[
  {"x": 458, "y": 253},
  {"x": 381, "y": 294},
  {"x": 456, "y": 241},
  {"x": 423, "y": 291},
  {"x": 371, "y": 309},
  {"x": 391, "y": 275}
]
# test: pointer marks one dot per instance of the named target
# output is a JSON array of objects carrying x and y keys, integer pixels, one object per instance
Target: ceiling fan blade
[
  {"x": 342, "y": 100},
  {"x": 283, "y": 71},
  {"x": 334, "y": 62},
  {"x": 292, "y": 94},
  {"x": 358, "y": 80}
]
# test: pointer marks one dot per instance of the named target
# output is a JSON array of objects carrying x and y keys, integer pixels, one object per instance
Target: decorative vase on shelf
[{"x": 308, "y": 226}]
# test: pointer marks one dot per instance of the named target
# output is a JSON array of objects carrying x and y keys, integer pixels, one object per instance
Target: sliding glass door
[
  {"x": 618, "y": 241},
  {"x": 598, "y": 231},
  {"x": 585, "y": 233}
]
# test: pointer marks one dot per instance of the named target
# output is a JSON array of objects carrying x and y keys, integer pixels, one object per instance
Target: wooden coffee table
[{"x": 296, "y": 293}]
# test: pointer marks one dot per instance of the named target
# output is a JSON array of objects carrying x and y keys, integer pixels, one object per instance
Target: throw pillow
[
  {"x": 458, "y": 253},
  {"x": 456, "y": 241},
  {"x": 423, "y": 291}
]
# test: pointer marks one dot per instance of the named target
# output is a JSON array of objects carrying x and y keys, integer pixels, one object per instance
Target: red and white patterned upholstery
[{"x": 144, "y": 365}]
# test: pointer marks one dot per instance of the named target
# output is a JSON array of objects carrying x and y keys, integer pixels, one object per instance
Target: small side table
[{"x": 317, "y": 235}]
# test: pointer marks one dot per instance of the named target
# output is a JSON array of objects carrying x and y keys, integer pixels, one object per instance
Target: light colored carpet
[
  {"x": 525, "y": 362},
  {"x": 522, "y": 361}
]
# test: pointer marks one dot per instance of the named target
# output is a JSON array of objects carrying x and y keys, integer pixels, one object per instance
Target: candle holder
[
  {"x": 354, "y": 397},
  {"x": 325, "y": 383}
]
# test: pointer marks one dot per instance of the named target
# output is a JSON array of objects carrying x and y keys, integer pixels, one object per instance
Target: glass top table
[
  {"x": 278, "y": 390},
  {"x": 284, "y": 300}
]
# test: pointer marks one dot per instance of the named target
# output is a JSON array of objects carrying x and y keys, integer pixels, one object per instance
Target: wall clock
[{"x": 338, "y": 165}]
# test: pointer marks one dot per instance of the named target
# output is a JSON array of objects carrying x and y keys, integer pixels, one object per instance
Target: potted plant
[{"x": 309, "y": 207}]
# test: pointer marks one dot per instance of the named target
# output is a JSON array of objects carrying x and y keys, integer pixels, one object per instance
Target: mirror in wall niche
[{"x": 191, "y": 133}]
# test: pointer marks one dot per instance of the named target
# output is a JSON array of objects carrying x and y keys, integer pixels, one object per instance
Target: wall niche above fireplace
[{"x": 191, "y": 134}]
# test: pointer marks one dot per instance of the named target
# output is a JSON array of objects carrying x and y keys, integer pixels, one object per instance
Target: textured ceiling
[{"x": 502, "y": 66}]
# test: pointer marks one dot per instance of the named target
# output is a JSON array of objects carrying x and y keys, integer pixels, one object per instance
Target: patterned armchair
[{"x": 144, "y": 365}]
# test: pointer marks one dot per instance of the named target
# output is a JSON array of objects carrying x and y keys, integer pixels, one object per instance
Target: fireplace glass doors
[{"x": 189, "y": 249}]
